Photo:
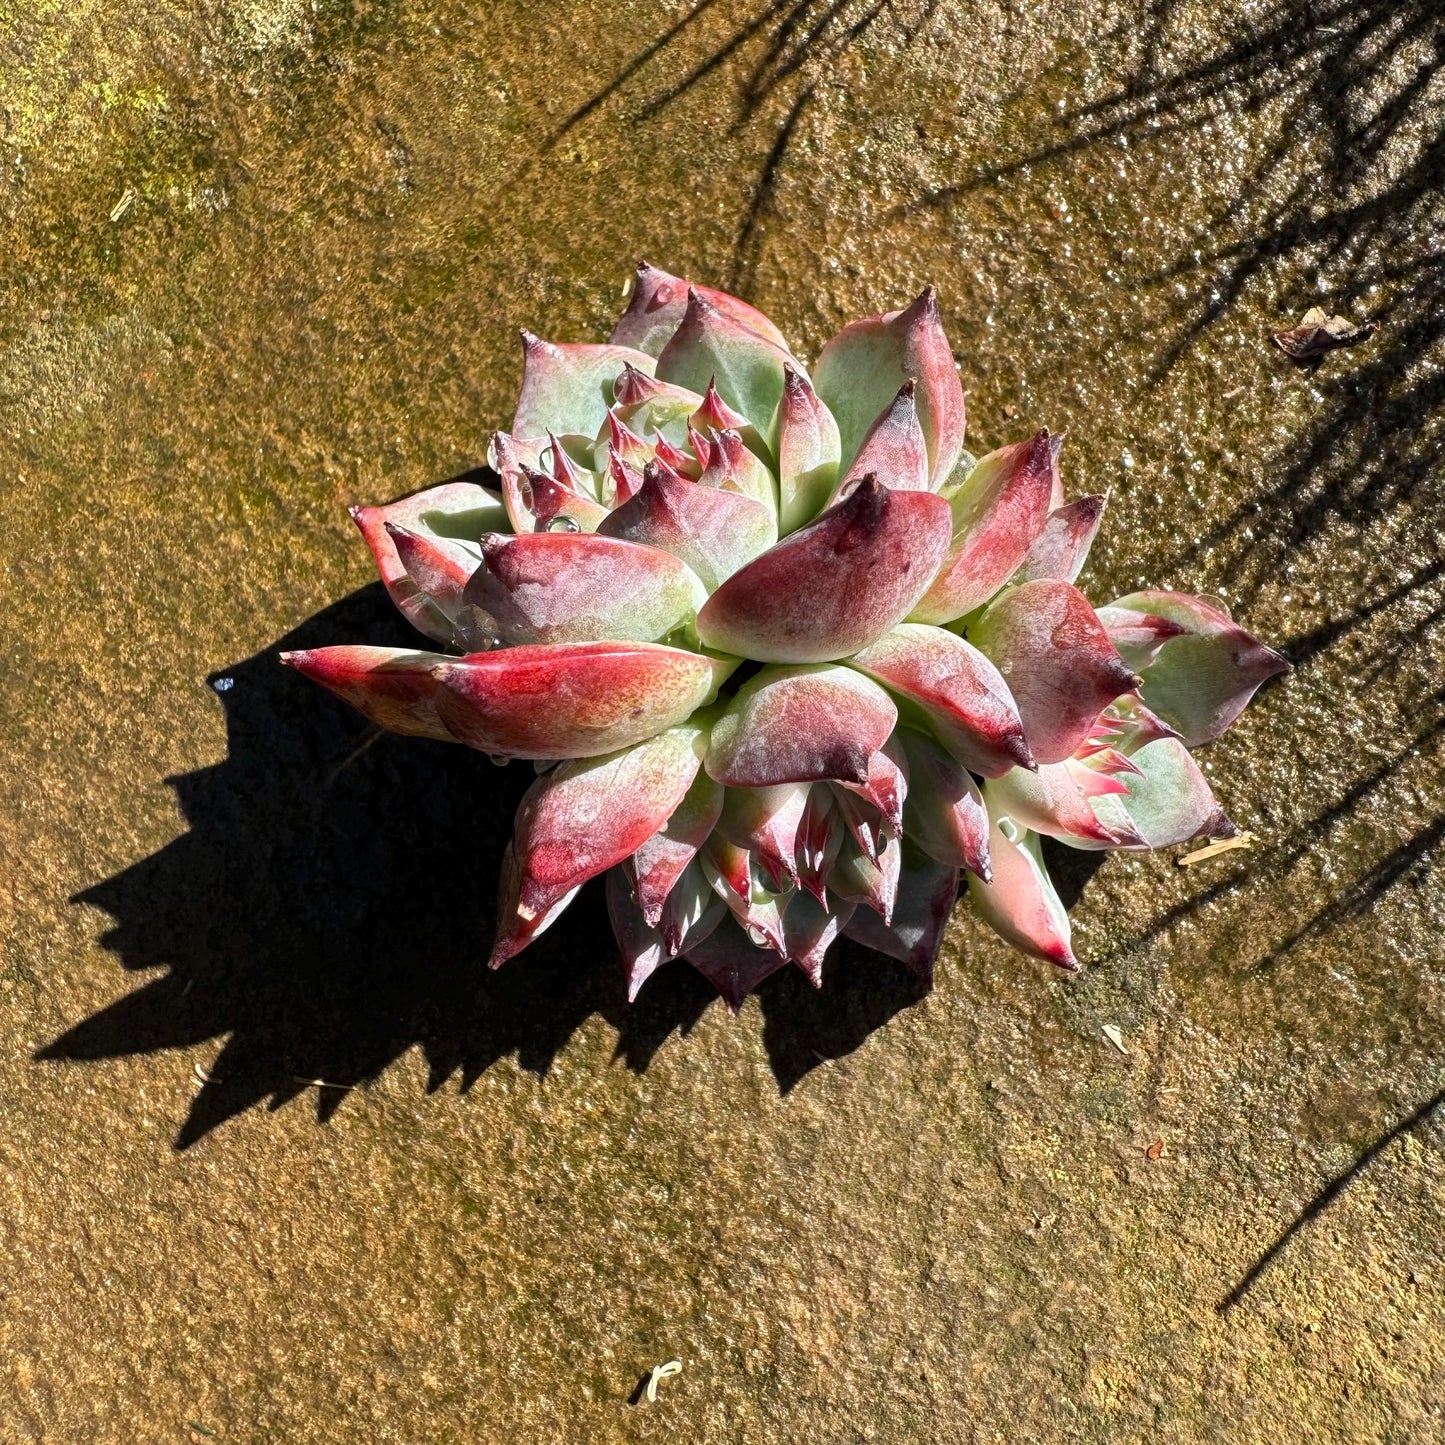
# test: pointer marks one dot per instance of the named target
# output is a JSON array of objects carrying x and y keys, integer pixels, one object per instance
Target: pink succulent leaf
[
  {"x": 684, "y": 464},
  {"x": 714, "y": 532},
  {"x": 998, "y": 514},
  {"x": 731, "y": 963},
  {"x": 800, "y": 724},
  {"x": 1099, "y": 776},
  {"x": 508, "y": 455},
  {"x": 757, "y": 906},
  {"x": 448, "y": 516},
  {"x": 944, "y": 814},
  {"x": 728, "y": 867},
  {"x": 864, "y": 821},
  {"x": 1202, "y": 678},
  {"x": 624, "y": 481},
  {"x": 573, "y": 700},
  {"x": 820, "y": 836},
  {"x": 1168, "y": 801},
  {"x": 927, "y": 891},
  {"x": 439, "y": 569},
  {"x": 1062, "y": 548},
  {"x": 702, "y": 449},
  {"x": 394, "y": 687},
  {"x": 539, "y": 503},
  {"x": 563, "y": 468},
  {"x": 639, "y": 943},
  {"x": 659, "y": 301},
  {"x": 715, "y": 415},
  {"x": 765, "y": 822},
  {"x": 733, "y": 467},
  {"x": 886, "y": 786},
  {"x": 589, "y": 814},
  {"x": 693, "y": 909},
  {"x": 857, "y": 878},
  {"x": 568, "y": 388},
  {"x": 644, "y": 401},
  {"x": 1051, "y": 802},
  {"x": 861, "y": 369},
  {"x": 712, "y": 348},
  {"x": 893, "y": 449},
  {"x": 1057, "y": 660},
  {"x": 1020, "y": 904},
  {"x": 657, "y": 865},
  {"x": 809, "y": 930},
  {"x": 947, "y": 685},
  {"x": 807, "y": 451},
  {"x": 518, "y": 926},
  {"x": 1131, "y": 724},
  {"x": 692, "y": 912},
  {"x": 1056, "y": 492},
  {"x": 835, "y": 585},
  {"x": 580, "y": 587},
  {"x": 1138, "y": 636},
  {"x": 616, "y": 436}
]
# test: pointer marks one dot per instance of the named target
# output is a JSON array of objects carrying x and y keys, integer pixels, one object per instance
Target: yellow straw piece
[{"x": 1245, "y": 840}]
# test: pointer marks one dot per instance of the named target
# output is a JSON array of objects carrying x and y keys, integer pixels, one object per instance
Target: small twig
[
  {"x": 203, "y": 1075},
  {"x": 126, "y": 201},
  {"x": 1244, "y": 840},
  {"x": 319, "y": 1083}
]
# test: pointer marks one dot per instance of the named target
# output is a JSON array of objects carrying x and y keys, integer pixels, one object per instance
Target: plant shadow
[{"x": 331, "y": 907}]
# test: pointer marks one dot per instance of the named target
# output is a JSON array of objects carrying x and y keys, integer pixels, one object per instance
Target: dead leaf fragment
[
  {"x": 1318, "y": 334},
  {"x": 1155, "y": 1149},
  {"x": 1111, "y": 1032}
]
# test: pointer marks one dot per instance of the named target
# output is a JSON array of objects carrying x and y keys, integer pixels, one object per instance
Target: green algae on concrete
[{"x": 860, "y": 1215}]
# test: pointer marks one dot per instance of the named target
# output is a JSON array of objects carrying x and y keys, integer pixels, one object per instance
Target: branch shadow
[
  {"x": 331, "y": 904},
  {"x": 1326, "y": 1197},
  {"x": 775, "y": 57},
  {"x": 1346, "y": 201}
]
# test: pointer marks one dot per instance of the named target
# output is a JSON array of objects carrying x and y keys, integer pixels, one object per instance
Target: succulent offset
[{"x": 788, "y": 660}]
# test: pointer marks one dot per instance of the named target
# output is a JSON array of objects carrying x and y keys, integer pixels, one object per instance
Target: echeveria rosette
[{"x": 787, "y": 658}]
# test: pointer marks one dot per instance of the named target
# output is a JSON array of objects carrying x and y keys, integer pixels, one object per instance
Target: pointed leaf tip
[
  {"x": 808, "y": 451},
  {"x": 1021, "y": 904},
  {"x": 393, "y": 687},
  {"x": 954, "y": 691},
  {"x": 659, "y": 301}
]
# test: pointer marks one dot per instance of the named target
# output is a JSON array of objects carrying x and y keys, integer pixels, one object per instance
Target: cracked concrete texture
[{"x": 416, "y": 1203}]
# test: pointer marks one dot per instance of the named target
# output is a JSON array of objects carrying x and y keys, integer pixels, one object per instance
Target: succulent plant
[{"x": 788, "y": 660}]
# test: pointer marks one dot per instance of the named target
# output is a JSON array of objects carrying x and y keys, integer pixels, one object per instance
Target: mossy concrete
[{"x": 280, "y": 1162}]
